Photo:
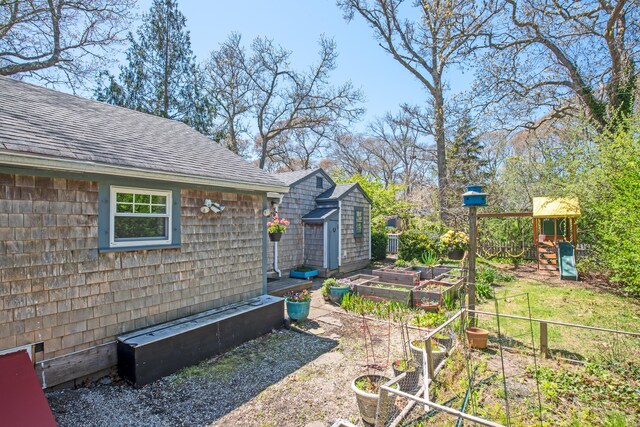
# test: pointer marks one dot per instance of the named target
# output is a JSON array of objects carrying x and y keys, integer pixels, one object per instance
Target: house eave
[{"x": 82, "y": 166}]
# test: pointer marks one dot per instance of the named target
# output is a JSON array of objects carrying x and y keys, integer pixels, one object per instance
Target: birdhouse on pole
[{"x": 474, "y": 197}]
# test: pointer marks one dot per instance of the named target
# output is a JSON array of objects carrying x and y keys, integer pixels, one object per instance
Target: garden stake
[{"x": 466, "y": 396}]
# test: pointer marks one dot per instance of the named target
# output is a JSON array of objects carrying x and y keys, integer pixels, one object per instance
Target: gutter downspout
[
  {"x": 275, "y": 259},
  {"x": 265, "y": 242}
]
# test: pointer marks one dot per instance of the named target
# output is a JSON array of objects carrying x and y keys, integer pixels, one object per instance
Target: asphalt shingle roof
[
  {"x": 290, "y": 178},
  {"x": 41, "y": 121},
  {"x": 336, "y": 192},
  {"x": 319, "y": 215}
]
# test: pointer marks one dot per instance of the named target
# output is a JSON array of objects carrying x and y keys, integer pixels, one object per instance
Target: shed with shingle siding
[{"x": 314, "y": 200}]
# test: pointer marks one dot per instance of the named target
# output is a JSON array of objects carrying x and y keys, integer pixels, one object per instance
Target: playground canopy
[{"x": 561, "y": 207}]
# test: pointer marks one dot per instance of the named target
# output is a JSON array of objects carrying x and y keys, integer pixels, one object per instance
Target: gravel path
[
  {"x": 285, "y": 378},
  {"x": 197, "y": 395}
]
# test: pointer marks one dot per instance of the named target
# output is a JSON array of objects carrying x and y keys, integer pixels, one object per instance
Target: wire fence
[{"x": 449, "y": 378}]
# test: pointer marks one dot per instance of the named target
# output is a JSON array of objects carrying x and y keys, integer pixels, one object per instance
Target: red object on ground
[{"x": 22, "y": 401}]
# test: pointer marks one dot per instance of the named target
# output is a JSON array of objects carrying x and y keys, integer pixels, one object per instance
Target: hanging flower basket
[
  {"x": 276, "y": 228},
  {"x": 275, "y": 237}
]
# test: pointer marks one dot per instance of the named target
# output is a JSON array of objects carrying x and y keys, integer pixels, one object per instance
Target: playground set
[{"x": 555, "y": 233}]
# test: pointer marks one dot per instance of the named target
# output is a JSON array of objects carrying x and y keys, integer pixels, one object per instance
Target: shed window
[
  {"x": 358, "y": 221},
  {"x": 319, "y": 182},
  {"x": 139, "y": 217}
]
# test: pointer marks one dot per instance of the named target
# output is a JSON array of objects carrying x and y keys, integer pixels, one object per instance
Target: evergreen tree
[
  {"x": 465, "y": 164},
  {"x": 161, "y": 76}
]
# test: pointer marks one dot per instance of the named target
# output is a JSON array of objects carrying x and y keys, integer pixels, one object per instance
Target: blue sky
[{"x": 297, "y": 26}]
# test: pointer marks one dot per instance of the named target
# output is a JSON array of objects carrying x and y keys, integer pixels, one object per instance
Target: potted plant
[
  {"x": 276, "y": 228},
  {"x": 298, "y": 304},
  {"x": 477, "y": 337},
  {"x": 409, "y": 383},
  {"x": 438, "y": 351},
  {"x": 455, "y": 243},
  {"x": 407, "y": 363},
  {"x": 338, "y": 288},
  {"x": 445, "y": 339},
  {"x": 367, "y": 389}
]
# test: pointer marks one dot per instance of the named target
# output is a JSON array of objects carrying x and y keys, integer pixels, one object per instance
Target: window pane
[
  {"x": 158, "y": 209},
  {"x": 142, "y": 209},
  {"x": 135, "y": 227},
  {"x": 143, "y": 198},
  {"x": 124, "y": 197},
  {"x": 159, "y": 200},
  {"x": 124, "y": 208}
]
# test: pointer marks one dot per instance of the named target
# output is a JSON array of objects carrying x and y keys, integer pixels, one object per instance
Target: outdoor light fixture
[
  {"x": 210, "y": 206},
  {"x": 276, "y": 200}
]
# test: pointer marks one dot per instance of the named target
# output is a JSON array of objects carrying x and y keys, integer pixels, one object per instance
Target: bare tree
[
  {"x": 285, "y": 99},
  {"x": 349, "y": 156},
  {"x": 298, "y": 149},
  {"x": 59, "y": 41},
  {"x": 229, "y": 87},
  {"x": 290, "y": 108},
  {"x": 441, "y": 35},
  {"x": 405, "y": 145},
  {"x": 563, "y": 58}
]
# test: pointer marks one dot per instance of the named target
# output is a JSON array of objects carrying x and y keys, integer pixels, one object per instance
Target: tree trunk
[{"x": 439, "y": 135}]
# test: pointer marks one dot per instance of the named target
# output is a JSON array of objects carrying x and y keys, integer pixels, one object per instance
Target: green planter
[
  {"x": 298, "y": 310},
  {"x": 337, "y": 292}
]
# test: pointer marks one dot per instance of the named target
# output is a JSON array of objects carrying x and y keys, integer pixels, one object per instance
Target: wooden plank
[
  {"x": 79, "y": 364},
  {"x": 544, "y": 344},
  {"x": 285, "y": 285},
  {"x": 504, "y": 214}
]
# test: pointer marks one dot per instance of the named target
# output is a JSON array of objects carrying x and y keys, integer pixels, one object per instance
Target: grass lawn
[
  {"x": 592, "y": 380},
  {"x": 572, "y": 302}
]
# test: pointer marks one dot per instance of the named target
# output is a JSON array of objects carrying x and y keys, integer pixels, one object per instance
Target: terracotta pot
[
  {"x": 477, "y": 337},
  {"x": 275, "y": 237}
]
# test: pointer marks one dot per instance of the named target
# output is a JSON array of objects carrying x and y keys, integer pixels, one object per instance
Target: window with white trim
[
  {"x": 358, "y": 221},
  {"x": 139, "y": 217}
]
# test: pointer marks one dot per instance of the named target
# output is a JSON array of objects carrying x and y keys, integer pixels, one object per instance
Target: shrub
[
  {"x": 412, "y": 244},
  {"x": 486, "y": 277},
  {"x": 379, "y": 242}
]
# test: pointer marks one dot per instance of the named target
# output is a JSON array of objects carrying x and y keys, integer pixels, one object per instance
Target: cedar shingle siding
[
  {"x": 314, "y": 245},
  {"x": 300, "y": 200},
  {"x": 57, "y": 288},
  {"x": 355, "y": 249}
]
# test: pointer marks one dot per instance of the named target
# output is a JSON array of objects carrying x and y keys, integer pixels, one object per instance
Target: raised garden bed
[
  {"x": 388, "y": 291},
  {"x": 428, "y": 273},
  {"x": 360, "y": 279},
  {"x": 435, "y": 291},
  {"x": 401, "y": 277}
]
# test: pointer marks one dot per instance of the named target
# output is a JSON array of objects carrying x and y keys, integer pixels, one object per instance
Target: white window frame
[{"x": 145, "y": 191}]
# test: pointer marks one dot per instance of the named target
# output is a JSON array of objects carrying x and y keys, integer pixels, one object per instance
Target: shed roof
[
  {"x": 340, "y": 191},
  {"x": 319, "y": 215},
  {"x": 40, "y": 127},
  {"x": 560, "y": 207},
  {"x": 294, "y": 177}
]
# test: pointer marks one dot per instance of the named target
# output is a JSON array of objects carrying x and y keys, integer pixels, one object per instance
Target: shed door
[{"x": 332, "y": 245}]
